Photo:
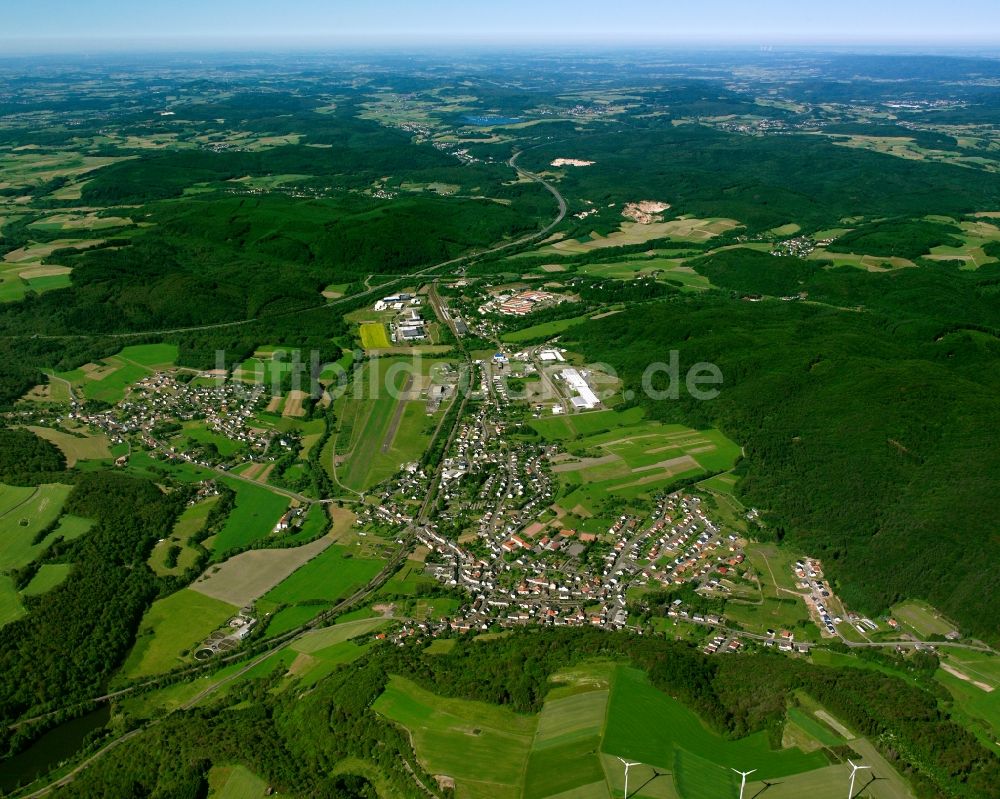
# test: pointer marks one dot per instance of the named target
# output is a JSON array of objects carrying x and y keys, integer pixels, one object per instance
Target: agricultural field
[
  {"x": 603, "y": 711},
  {"x": 172, "y": 628},
  {"x": 373, "y": 336},
  {"x": 622, "y": 455},
  {"x": 106, "y": 381},
  {"x": 332, "y": 574},
  {"x": 17, "y": 279},
  {"x": 628, "y": 233},
  {"x": 245, "y": 577},
  {"x": 252, "y": 518}
]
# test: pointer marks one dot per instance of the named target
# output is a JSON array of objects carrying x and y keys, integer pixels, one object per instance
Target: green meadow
[
  {"x": 331, "y": 575},
  {"x": 26, "y": 512},
  {"x": 171, "y": 629},
  {"x": 252, "y": 518}
]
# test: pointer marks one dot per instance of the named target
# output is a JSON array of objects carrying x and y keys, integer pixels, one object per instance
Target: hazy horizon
[{"x": 48, "y": 27}]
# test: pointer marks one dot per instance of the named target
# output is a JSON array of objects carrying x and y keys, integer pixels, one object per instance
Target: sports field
[
  {"x": 172, "y": 628},
  {"x": 610, "y": 452}
]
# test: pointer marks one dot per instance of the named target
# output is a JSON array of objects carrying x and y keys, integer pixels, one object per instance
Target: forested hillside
[{"x": 866, "y": 436}]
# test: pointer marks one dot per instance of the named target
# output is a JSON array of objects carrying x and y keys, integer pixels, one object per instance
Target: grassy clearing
[
  {"x": 10, "y": 601},
  {"x": 171, "y": 628},
  {"x": 191, "y": 521},
  {"x": 922, "y": 619},
  {"x": 48, "y": 577},
  {"x": 319, "y": 640},
  {"x": 23, "y": 521},
  {"x": 236, "y": 782},
  {"x": 152, "y": 356},
  {"x": 544, "y": 329}
]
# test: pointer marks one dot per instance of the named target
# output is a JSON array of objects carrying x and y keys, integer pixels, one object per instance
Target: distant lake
[
  {"x": 492, "y": 120},
  {"x": 50, "y": 749}
]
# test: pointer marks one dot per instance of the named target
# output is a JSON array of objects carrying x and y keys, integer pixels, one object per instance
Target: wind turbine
[
  {"x": 743, "y": 780},
  {"x": 627, "y": 765},
  {"x": 854, "y": 770}
]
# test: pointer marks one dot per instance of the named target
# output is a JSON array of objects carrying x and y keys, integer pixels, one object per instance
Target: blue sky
[{"x": 54, "y": 25}]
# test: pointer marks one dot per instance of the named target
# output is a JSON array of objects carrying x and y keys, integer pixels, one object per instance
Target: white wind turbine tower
[
  {"x": 854, "y": 770},
  {"x": 743, "y": 778},
  {"x": 627, "y": 765}
]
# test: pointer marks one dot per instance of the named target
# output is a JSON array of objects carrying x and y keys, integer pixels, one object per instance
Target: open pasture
[
  {"x": 483, "y": 747},
  {"x": 172, "y": 628},
  {"x": 23, "y": 520}
]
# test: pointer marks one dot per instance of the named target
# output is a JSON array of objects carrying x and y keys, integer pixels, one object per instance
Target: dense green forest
[
  {"x": 294, "y": 739},
  {"x": 77, "y": 634},
  {"x": 27, "y": 459},
  {"x": 762, "y": 182}
]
